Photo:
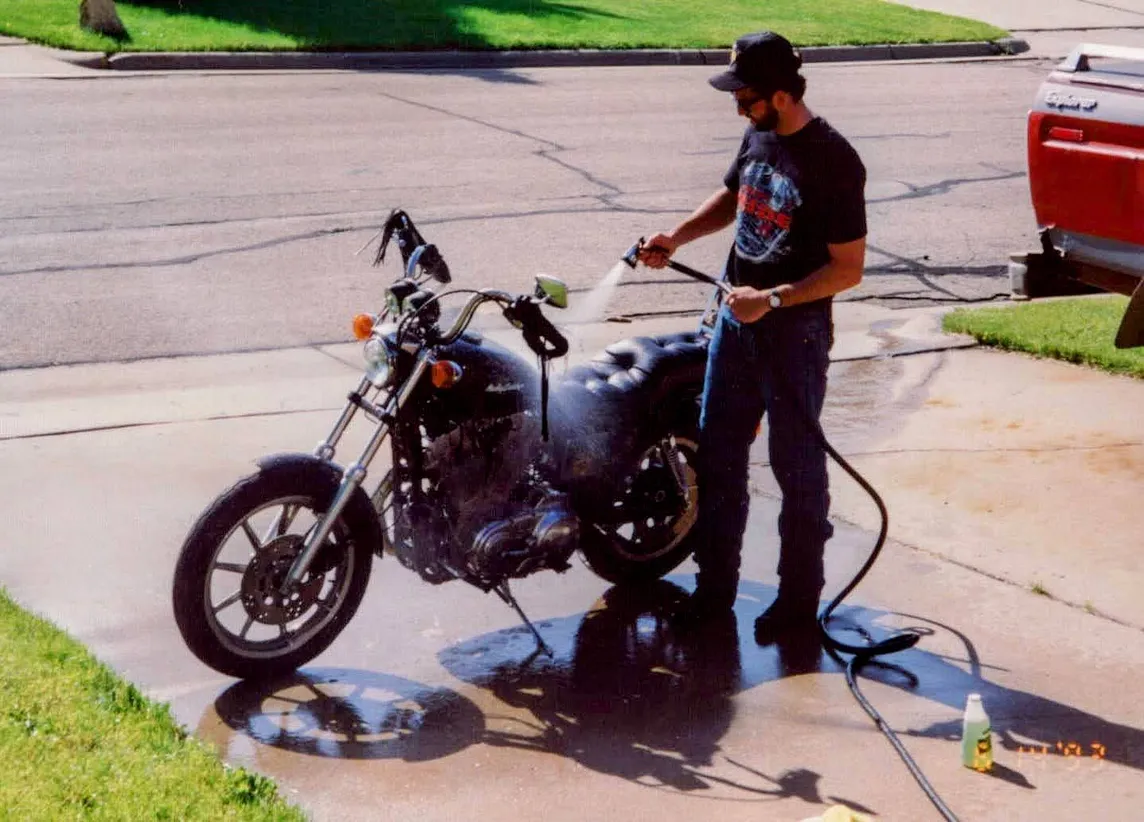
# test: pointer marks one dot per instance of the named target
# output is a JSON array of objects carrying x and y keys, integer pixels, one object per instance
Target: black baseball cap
[{"x": 763, "y": 60}]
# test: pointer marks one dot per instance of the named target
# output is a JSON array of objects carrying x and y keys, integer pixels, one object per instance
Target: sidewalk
[
  {"x": 18, "y": 58},
  {"x": 996, "y": 473},
  {"x": 1037, "y": 15},
  {"x": 1052, "y": 29}
]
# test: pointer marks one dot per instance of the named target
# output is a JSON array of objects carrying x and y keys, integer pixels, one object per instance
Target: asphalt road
[{"x": 146, "y": 216}]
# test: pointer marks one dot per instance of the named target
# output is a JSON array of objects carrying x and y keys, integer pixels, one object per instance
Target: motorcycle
[{"x": 496, "y": 472}]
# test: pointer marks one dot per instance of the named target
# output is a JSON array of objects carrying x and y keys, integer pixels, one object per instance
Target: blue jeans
[{"x": 739, "y": 387}]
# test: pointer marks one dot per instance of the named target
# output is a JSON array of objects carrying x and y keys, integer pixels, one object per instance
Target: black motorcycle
[{"x": 495, "y": 473}]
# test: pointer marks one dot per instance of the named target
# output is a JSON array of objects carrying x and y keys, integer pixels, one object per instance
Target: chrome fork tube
[
  {"x": 353, "y": 477},
  {"x": 325, "y": 450}
]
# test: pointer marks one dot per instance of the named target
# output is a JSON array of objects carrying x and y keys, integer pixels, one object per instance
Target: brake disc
[{"x": 262, "y": 595}]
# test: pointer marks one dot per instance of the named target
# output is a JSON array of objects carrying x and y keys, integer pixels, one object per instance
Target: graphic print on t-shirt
[{"x": 767, "y": 200}]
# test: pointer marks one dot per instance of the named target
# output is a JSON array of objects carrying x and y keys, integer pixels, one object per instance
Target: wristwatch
[{"x": 775, "y": 300}]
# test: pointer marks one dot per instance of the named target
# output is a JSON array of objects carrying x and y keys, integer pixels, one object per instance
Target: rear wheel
[
  {"x": 654, "y": 527},
  {"x": 227, "y": 595}
]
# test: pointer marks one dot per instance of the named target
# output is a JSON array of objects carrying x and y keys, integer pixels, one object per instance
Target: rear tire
[
  {"x": 639, "y": 552},
  {"x": 215, "y": 591}
]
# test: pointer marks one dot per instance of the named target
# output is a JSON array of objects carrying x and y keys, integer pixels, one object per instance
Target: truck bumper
[{"x": 1049, "y": 273}]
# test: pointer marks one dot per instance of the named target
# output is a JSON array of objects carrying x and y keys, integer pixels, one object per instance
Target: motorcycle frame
[{"x": 384, "y": 415}]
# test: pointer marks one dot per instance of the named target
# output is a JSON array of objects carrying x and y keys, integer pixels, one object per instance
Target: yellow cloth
[{"x": 839, "y": 813}]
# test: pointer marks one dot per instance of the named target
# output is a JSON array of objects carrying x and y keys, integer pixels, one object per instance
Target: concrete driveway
[{"x": 996, "y": 472}]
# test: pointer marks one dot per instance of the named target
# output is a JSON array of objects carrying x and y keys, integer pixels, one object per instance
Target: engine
[
  {"x": 504, "y": 519},
  {"x": 544, "y": 537}
]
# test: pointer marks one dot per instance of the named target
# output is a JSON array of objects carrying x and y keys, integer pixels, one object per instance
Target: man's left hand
[{"x": 748, "y": 304}]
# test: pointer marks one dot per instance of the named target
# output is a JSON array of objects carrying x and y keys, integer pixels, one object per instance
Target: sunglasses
[{"x": 747, "y": 102}]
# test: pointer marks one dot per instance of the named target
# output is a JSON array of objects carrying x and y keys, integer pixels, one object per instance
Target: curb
[{"x": 425, "y": 60}]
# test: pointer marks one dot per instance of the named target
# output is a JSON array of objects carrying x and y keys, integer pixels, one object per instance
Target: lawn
[
  {"x": 233, "y": 25},
  {"x": 1076, "y": 330},
  {"x": 76, "y": 741}
]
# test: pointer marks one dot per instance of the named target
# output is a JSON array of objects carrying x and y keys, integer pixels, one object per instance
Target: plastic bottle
[{"x": 976, "y": 736}]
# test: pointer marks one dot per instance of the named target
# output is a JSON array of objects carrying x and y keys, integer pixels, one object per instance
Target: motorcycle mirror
[
  {"x": 552, "y": 291},
  {"x": 431, "y": 262}
]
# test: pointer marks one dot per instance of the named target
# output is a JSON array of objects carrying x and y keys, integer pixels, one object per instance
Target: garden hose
[{"x": 860, "y": 655}]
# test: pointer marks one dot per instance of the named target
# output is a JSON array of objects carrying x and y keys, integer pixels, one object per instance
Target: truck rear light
[{"x": 1068, "y": 135}]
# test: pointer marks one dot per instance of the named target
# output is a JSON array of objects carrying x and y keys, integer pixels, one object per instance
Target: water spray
[{"x": 860, "y": 654}]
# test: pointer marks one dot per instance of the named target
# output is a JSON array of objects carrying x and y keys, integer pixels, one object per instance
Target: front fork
[{"x": 355, "y": 474}]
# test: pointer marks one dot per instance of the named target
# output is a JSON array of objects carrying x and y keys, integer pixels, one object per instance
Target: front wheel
[
  {"x": 654, "y": 528},
  {"x": 227, "y": 594}
]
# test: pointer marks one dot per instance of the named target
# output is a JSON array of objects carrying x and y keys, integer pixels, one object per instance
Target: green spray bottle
[{"x": 976, "y": 736}]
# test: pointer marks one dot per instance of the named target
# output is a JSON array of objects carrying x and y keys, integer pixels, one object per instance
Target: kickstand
[{"x": 505, "y": 593}]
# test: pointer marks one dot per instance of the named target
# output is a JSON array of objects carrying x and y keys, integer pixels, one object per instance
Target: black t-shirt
[{"x": 796, "y": 194}]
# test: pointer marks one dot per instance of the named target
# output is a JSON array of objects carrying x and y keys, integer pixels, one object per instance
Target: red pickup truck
[{"x": 1086, "y": 175}]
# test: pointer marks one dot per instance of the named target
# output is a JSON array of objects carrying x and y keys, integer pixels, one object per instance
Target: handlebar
[
  {"x": 466, "y": 315},
  {"x": 522, "y": 311}
]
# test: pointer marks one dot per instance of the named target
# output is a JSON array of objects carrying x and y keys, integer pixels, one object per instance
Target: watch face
[{"x": 776, "y": 301}]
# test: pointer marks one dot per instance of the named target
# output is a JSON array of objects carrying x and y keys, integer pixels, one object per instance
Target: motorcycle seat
[{"x": 642, "y": 371}]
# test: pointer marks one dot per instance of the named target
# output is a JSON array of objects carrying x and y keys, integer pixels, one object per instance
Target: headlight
[{"x": 378, "y": 361}]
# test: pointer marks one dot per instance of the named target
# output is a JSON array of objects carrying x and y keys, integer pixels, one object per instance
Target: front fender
[{"x": 323, "y": 479}]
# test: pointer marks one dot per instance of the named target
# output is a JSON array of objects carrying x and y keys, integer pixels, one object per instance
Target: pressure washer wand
[{"x": 633, "y": 255}]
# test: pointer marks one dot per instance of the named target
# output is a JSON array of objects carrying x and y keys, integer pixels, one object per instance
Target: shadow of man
[{"x": 632, "y": 693}]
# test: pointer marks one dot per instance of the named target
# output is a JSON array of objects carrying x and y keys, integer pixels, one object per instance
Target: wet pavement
[{"x": 433, "y": 703}]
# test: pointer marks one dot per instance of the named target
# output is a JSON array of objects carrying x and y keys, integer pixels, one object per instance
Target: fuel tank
[{"x": 496, "y": 383}]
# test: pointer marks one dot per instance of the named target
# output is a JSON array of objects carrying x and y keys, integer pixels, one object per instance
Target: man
[{"x": 795, "y": 194}]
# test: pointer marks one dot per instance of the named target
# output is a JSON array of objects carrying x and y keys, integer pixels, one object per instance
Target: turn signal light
[
  {"x": 446, "y": 373},
  {"x": 1069, "y": 135},
  {"x": 363, "y": 326}
]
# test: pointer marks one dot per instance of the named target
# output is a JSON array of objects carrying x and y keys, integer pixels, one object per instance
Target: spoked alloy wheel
[
  {"x": 248, "y": 611},
  {"x": 653, "y": 536},
  {"x": 228, "y": 594}
]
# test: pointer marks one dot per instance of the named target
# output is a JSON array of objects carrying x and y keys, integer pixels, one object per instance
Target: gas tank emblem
[{"x": 1057, "y": 100}]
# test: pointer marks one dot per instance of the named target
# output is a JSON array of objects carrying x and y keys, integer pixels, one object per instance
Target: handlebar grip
[{"x": 539, "y": 332}]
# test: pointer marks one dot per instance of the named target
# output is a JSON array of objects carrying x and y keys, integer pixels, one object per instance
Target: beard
[{"x": 769, "y": 121}]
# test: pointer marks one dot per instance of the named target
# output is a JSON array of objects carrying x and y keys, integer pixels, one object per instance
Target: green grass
[
  {"x": 76, "y": 741},
  {"x": 1076, "y": 330},
  {"x": 232, "y": 25}
]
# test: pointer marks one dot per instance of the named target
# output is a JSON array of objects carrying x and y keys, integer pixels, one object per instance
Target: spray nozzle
[{"x": 633, "y": 254}]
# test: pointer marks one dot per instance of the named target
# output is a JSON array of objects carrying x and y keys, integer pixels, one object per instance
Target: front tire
[
  {"x": 226, "y": 594},
  {"x": 642, "y": 549}
]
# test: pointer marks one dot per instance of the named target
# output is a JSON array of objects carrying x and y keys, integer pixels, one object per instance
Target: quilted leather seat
[
  {"x": 601, "y": 409},
  {"x": 641, "y": 371}
]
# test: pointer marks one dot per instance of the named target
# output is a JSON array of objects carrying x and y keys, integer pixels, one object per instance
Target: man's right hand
[{"x": 657, "y": 250}]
